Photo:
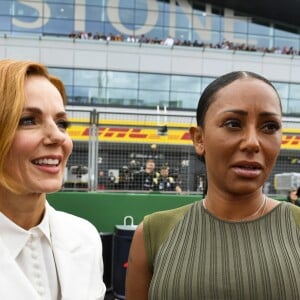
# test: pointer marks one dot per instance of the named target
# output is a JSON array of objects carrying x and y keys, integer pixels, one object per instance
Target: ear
[{"x": 197, "y": 137}]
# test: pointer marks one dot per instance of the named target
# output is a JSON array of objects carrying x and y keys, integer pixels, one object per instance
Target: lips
[
  {"x": 46, "y": 162},
  {"x": 248, "y": 169}
]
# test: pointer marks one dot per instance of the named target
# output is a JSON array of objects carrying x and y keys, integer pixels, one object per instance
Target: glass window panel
[
  {"x": 216, "y": 22},
  {"x": 127, "y": 4},
  {"x": 142, "y": 4},
  {"x": 28, "y": 20},
  {"x": 127, "y": 16},
  {"x": 5, "y": 8},
  {"x": 122, "y": 79},
  {"x": 295, "y": 91},
  {"x": 66, "y": 75},
  {"x": 260, "y": 41},
  {"x": 182, "y": 20},
  {"x": 86, "y": 78},
  {"x": 183, "y": 34},
  {"x": 95, "y": 13},
  {"x": 294, "y": 106},
  {"x": 282, "y": 89},
  {"x": 95, "y": 27},
  {"x": 240, "y": 25},
  {"x": 62, "y": 11},
  {"x": 5, "y": 23},
  {"x": 95, "y": 2},
  {"x": 109, "y": 28},
  {"x": 154, "y": 98},
  {"x": 140, "y": 17},
  {"x": 185, "y": 83},
  {"x": 91, "y": 95},
  {"x": 184, "y": 100},
  {"x": 204, "y": 21},
  {"x": 282, "y": 43},
  {"x": 55, "y": 27},
  {"x": 202, "y": 36},
  {"x": 284, "y": 104},
  {"x": 60, "y": 1},
  {"x": 216, "y": 38},
  {"x": 205, "y": 82},
  {"x": 20, "y": 9},
  {"x": 69, "y": 92},
  {"x": 285, "y": 34},
  {"x": 258, "y": 29},
  {"x": 155, "y": 82},
  {"x": 124, "y": 94},
  {"x": 155, "y": 33}
]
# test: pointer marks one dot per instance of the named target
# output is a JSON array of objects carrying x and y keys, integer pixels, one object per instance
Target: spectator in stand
[
  {"x": 144, "y": 180},
  {"x": 165, "y": 182},
  {"x": 103, "y": 37},
  {"x": 96, "y": 36},
  {"x": 169, "y": 42}
]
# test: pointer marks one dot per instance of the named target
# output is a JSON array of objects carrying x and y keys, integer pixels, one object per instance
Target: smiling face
[
  {"x": 241, "y": 136},
  {"x": 41, "y": 146}
]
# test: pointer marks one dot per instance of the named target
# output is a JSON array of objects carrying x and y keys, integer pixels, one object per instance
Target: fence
[{"x": 111, "y": 150}]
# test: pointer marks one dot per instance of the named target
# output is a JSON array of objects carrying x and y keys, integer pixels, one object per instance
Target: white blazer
[{"x": 78, "y": 255}]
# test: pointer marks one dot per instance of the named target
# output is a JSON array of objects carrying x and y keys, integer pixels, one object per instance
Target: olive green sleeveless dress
[{"x": 195, "y": 255}]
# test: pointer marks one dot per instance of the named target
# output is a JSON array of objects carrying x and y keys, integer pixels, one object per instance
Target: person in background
[
  {"x": 292, "y": 197},
  {"x": 165, "y": 182},
  {"x": 45, "y": 254},
  {"x": 145, "y": 180},
  {"x": 111, "y": 180},
  {"x": 237, "y": 243},
  {"x": 102, "y": 180}
]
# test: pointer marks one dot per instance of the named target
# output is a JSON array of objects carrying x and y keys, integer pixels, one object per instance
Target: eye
[
  {"x": 233, "y": 124},
  {"x": 27, "y": 121},
  {"x": 63, "y": 124},
  {"x": 270, "y": 127}
]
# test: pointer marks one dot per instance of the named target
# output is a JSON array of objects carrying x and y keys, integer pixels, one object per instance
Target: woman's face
[
  {"x": 41, "y": 146},
  {"x": 242, "y": 136}
]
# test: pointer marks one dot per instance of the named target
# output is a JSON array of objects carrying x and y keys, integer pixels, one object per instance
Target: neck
[
  {"x": 235, "y": 214},
  {"x": 24, "y": 210}
]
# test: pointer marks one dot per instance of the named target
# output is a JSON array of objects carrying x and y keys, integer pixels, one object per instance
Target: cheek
[
  {"x": 20, "y": 147},
  {"x": 68, "y": 146}
]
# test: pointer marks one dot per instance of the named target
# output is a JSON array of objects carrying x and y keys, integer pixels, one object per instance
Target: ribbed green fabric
[{"x": 199, "y": 256}]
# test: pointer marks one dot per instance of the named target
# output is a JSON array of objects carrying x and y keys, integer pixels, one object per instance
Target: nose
[
  {"x": 53, "y": 134},
  {"x": 250, "y": 141}
]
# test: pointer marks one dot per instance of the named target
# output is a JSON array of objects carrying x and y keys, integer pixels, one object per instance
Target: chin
[{"x": 50, "y": 187}]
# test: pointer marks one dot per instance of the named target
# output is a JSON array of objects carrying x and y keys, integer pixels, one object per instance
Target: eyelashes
[
  {"x": 64, "y": 124},
  {"x": 30, "y": 121},
  {"x": 267, "y": 127}
]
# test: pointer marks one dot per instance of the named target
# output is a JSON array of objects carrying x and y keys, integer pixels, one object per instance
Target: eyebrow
[
  {"x": 245, "y": 113},
  {"x": 37, "y": 111}
]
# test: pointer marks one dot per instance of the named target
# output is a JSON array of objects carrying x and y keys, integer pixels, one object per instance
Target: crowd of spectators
[
  {"x": 171, "y": 42},
  {"x": 147, "y": 178}
]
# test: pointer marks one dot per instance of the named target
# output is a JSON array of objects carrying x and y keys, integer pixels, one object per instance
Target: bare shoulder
[{"x": 138, "y": 275}]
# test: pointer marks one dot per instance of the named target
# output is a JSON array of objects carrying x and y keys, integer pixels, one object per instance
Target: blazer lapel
[
  {"x": 73, "y": 260},
  {"x": 17, "y": 286}
]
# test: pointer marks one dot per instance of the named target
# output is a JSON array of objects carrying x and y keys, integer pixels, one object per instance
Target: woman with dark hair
[
  {"x": 292, "y": 197},
  {"x": 237, "y": 243}
]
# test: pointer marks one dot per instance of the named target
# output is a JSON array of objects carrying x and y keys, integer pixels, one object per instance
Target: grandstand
[{"x": 124, "y": 83}]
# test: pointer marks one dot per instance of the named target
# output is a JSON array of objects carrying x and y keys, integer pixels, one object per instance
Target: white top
[{"x": 32, "y": 251}]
